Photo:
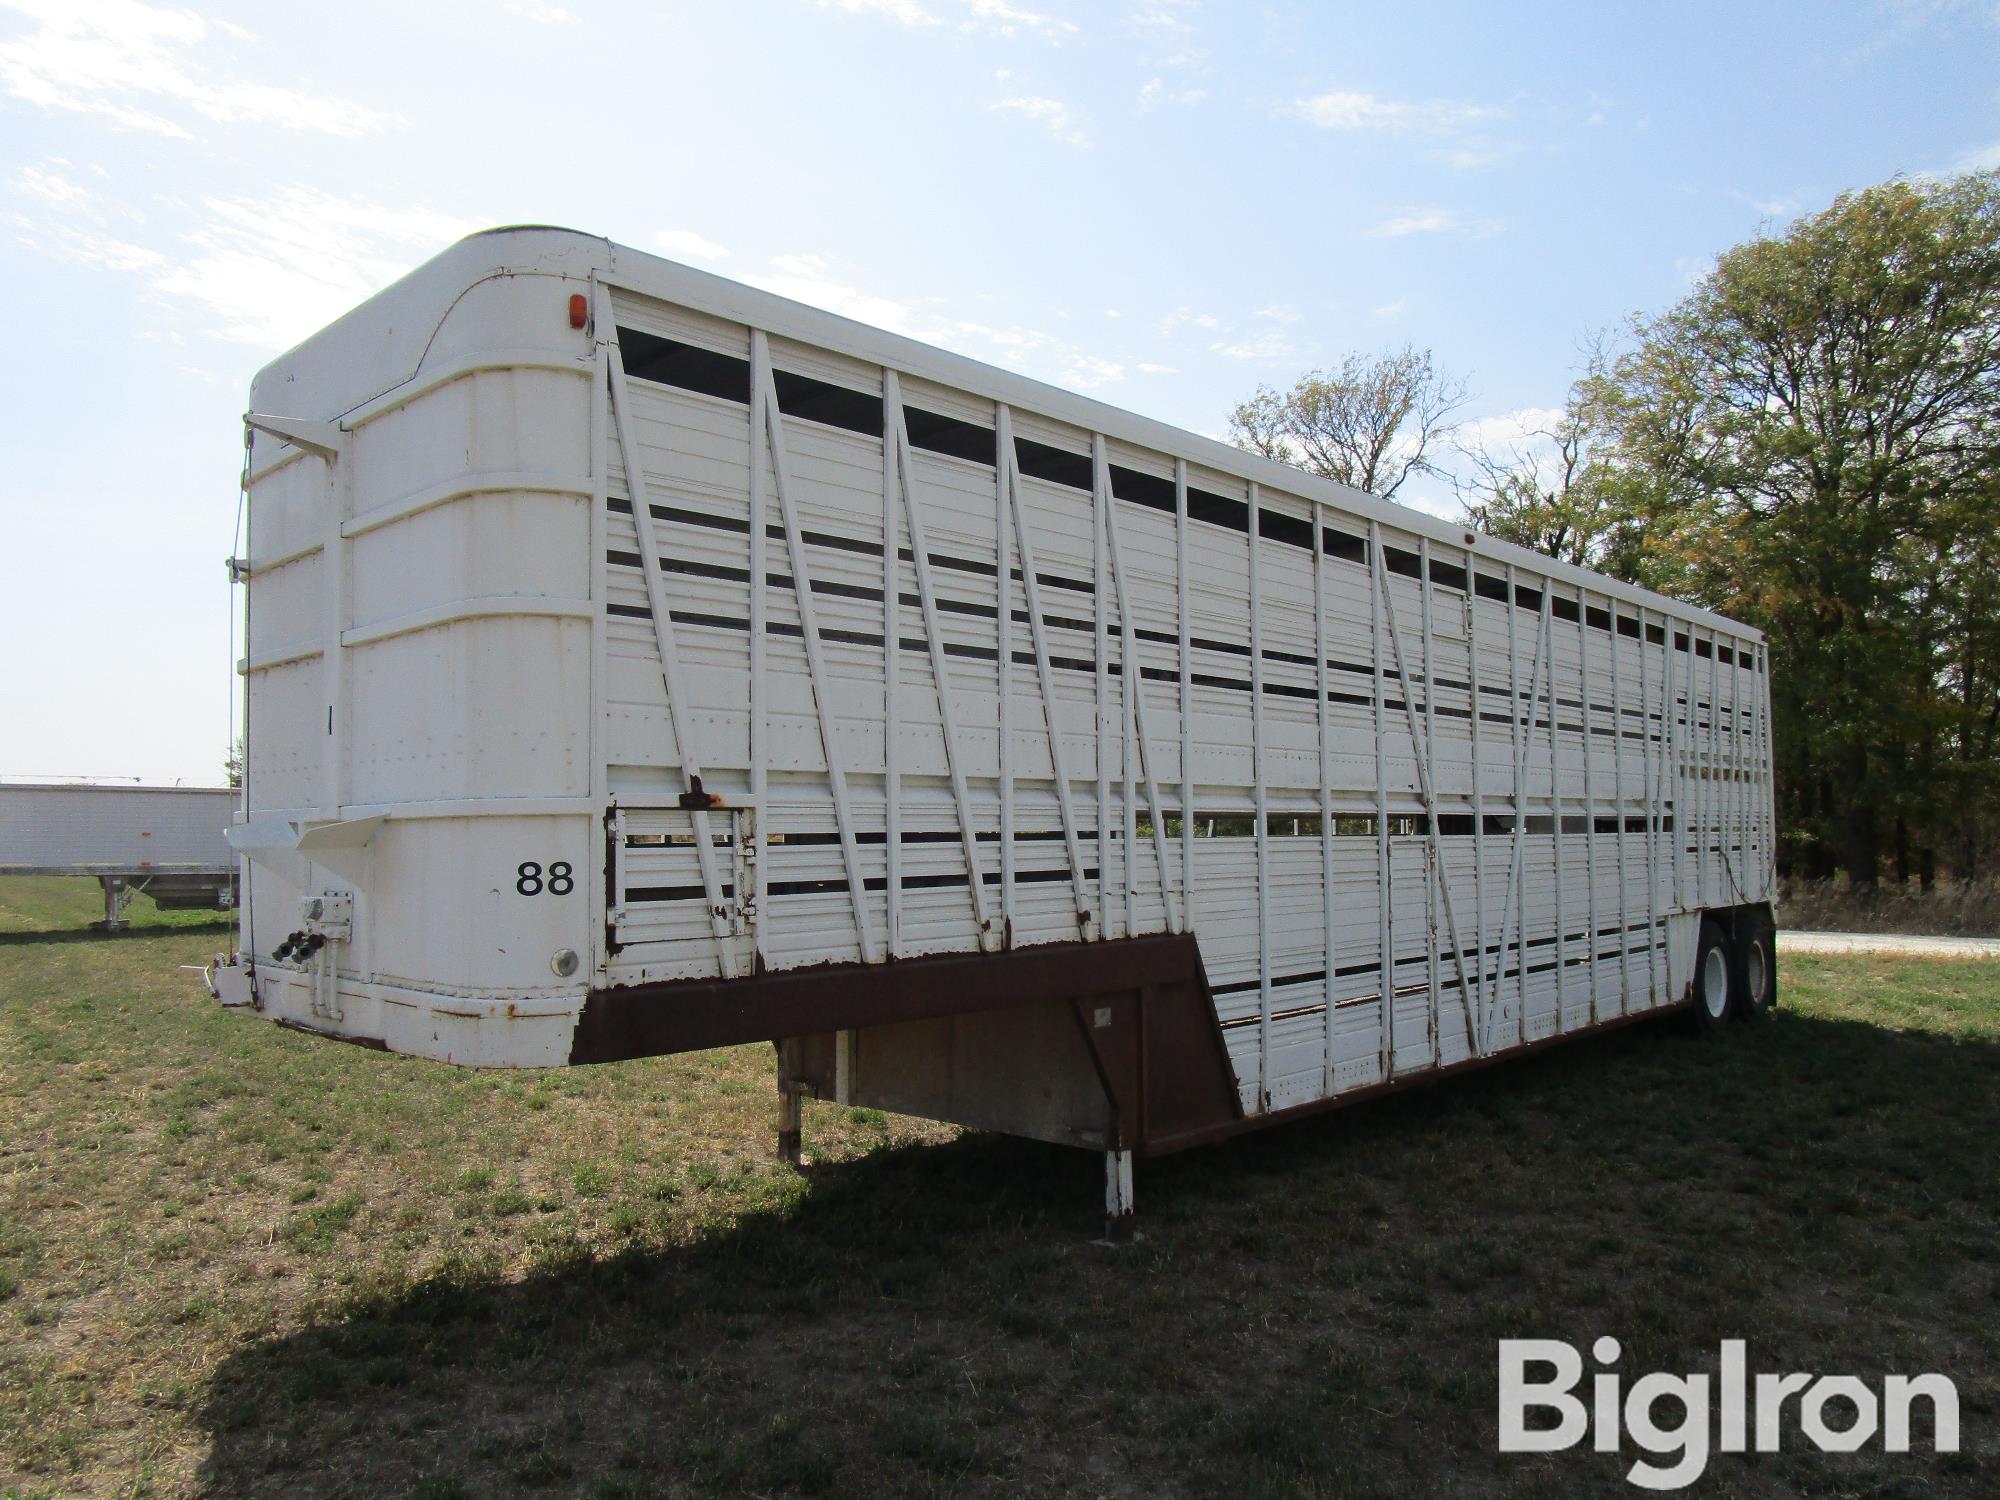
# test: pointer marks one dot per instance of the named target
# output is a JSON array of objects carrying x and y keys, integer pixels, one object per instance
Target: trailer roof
[
  {"x": 382, "y": 343},
  {"x": 113, "y": 786}
]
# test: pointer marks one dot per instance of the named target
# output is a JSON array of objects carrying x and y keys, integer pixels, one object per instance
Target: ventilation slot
[
  {"x": 667, "y": 362},
  {"x": 1343, "y": 546},
  {"x": 831, "y": 405},
  {"x": 949, "y": 436},
  {"x": 1448, "y": 575},
  {"x": 1142, "y": 489},
  {"x": 1290, "y": 530},
  {"x": 1218, "y": 510},
  {"x": 1056, "y": 465}
]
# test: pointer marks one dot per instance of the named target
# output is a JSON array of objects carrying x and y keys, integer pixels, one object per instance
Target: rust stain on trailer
[
  {"x": 1143, "y": 1004},
  {"x": 1418, "y": 1079},
  {"x": 696, "y": 799},
  {"x": 1161, "y": 1057},
  {"x": 373, "y": 1043},
  {"x": 686, "y": 1015}
]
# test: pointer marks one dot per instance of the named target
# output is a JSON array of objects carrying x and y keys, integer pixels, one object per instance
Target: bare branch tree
[
  {"x": 1370, "y": 423},
  {"x": 1549, "y": 489}
]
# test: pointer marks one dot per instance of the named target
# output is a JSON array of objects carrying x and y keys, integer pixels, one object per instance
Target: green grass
[
  {"x": 52, "y": 904},
  {"x": 239, "y": 1261}
]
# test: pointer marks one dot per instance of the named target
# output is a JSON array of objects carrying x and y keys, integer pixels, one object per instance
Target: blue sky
[{"x": 1162, "y": 202}]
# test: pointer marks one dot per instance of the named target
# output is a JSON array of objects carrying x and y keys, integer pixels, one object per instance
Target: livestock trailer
[
  {"x": 169, "y": 841},
  {"x": 639, "y": 662}
]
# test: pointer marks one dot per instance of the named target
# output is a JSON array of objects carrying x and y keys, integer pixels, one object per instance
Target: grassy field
[
  {"x": 31, "y": 905},
  {"x": 239, "y": 1261}
]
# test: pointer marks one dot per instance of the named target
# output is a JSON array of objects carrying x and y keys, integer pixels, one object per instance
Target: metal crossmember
[
  {"x": 823, "y": 704},
  {"x": 1136, "y": 699},
  {"x": 940, "y": 671},
  {"x": 1521, "y": 733},
  {"x": 1423, "y": 764},
  {"x": 1031, "y": 589},
  {"x": 663, "y": 630}
]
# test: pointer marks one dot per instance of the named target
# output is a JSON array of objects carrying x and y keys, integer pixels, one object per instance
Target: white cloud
[
  {"x": 1148, "y": 367},
  {"x": 1519, "y": 430},
  {"x": 1278, "y": 312},
  {"x": 1341, "y": 109},
  {"x": 687, "y": 245},
  {"x": 1691, "y": 269},
  {"x": 1154, "y": 93},
  {"x": 139, "y": 66},
  {"x": 1056, "y": 116},
  {"x": 546, "y": 15},
  {"x": 1389, "y": 309},
  {"x": 1520, "y": 438},
  {"x": 264, "y": 271},
  {"x": 1086, "y": 372},
  {"x": 82, "y": 246},
  {"x": 902, "y": 12},
  {"x": 1426, "y": 221},
  {"x": 999, "y": 16},
  {"x": 1985, "y": 159},
  {"x": 1434, "y": 497},
  {"x": 1170, "y": 18},
  {"x": 1925, "y": 22},
  {"x": 821, "y": 281},
  {"x": 1435, "y": 221},
  {"x": 991, "y": 17},
  {"x": 817, "y": 280},
  {"x": 271, "y": 269},
  {"x": 1271, "y": 344},
  {"x": 1465, "y": 144},
  {"x": 1770, "y": 208},
  {"x": 52, "y": 186},
  {"x": 1182, "y": 317},
  {"x": 1166, "y": 27}
]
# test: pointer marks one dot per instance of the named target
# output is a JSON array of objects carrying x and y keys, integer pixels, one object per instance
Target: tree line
[{"x": 1808, "y": 441}]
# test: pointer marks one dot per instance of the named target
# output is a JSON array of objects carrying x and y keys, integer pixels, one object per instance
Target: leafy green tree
[{"x": 1809, "y": 441}]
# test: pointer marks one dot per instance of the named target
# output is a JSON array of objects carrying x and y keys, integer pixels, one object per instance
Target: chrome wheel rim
[
  {"x": 1754, "y": 972},
  {"x": 1715, "y": 984}
]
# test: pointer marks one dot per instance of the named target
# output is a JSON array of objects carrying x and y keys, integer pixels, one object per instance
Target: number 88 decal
[{"x": 529, "y": 881}]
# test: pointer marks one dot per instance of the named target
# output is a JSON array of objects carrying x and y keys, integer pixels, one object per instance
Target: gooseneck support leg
[
  {"x": 1118, "y": 1210},
  {"x": 788, "y": 1127},
  {"x": 789, "y": 1142}
]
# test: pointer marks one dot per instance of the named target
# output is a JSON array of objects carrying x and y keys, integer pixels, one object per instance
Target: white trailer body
[
  {"x": 170, "y": 841},
  {"x": 639, "y": 661}
]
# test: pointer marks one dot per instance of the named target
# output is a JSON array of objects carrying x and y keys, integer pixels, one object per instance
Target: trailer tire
[
  {"x": 1714, "y": 983},
  {"x": 1755, "y": 981}
]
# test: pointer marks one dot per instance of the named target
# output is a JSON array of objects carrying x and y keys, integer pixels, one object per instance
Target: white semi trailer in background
[
  {"x": 640, "y": 662},
  {"x": 169, "y": 841}
]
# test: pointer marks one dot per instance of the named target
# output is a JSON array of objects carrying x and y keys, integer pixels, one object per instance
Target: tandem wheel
[
  {"x": 1714, "y": 978},
  {"x": 1754, "y": 956}
]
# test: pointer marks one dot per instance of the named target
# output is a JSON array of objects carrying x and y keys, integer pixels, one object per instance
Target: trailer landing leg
[
  {"x": 1118, "y": 1210},
  {"x": 789, "y": 1151},
  {"x": 115, "y": 897},
  {"x": 789, "y": 1089}
]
